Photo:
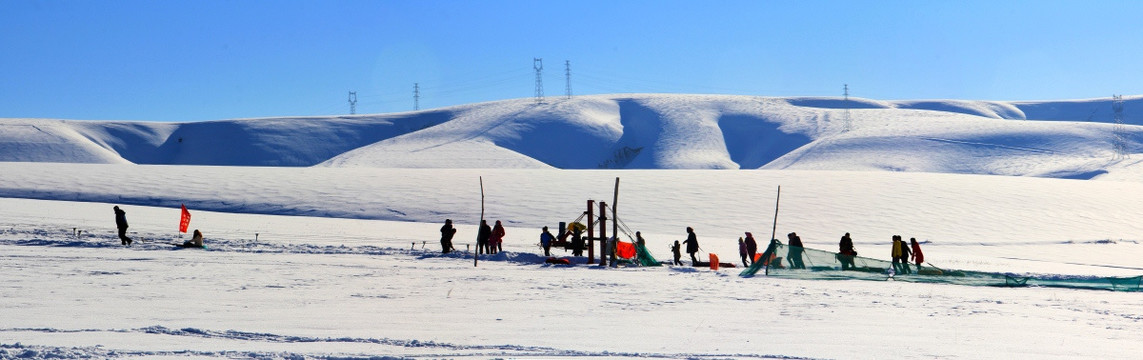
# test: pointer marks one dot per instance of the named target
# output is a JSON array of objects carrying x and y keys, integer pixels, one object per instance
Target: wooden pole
[
  {"x": 602, "y": 233},
  {"x": 590, "y": 232},
  {"x": 774, "y": 231},
  {"x": 614, "y": 223},
  {"x": 476, "y": 254},
  {"x": 614, "y": 211}
]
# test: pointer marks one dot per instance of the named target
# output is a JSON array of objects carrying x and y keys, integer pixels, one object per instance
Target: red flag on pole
[{"x": 185, "y": 222}]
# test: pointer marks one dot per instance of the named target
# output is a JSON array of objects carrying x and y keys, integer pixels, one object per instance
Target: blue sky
[{"x": 209, "y": 60}]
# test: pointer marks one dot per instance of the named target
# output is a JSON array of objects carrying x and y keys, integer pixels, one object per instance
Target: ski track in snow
[{"x": 443, "y": 349}]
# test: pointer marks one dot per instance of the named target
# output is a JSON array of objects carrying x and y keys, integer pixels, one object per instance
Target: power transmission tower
[
  {"x": 352, "y": 102},
  {"x": 1117, "y": 133},
  {"x": 538, "y": 64},
  {"x": 567, "y": 74},
  {"x": 845, "y": 125},
  {"x": 416, "y": 96}
]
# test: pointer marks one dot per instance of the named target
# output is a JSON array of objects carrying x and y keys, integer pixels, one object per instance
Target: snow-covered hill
[{"x": 1061, "y": 139}]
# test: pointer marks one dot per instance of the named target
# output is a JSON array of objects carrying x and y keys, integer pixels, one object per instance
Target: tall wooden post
[
  {"x": 603, "y": 233},
  {"x": 591, "y": 231},
  {"x": 614, "y": 223},
  {"x": 614, "y": 211},
  {"x": 773, "y": 232},
  {"x": 476, "y": 254}
]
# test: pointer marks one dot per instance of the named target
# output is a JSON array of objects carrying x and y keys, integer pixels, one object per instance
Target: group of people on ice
[
  {"x": 903, "y": 253},
  {"x": 490, "y": 240}
]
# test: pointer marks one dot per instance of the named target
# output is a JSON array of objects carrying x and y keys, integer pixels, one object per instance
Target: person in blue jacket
[{"x": 546, "y": 238}]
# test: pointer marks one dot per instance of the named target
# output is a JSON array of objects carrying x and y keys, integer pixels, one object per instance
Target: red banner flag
[{"x": 185, "y": 222}]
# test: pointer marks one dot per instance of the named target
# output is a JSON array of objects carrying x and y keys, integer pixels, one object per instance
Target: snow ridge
[{"x": 629, "y": 131}]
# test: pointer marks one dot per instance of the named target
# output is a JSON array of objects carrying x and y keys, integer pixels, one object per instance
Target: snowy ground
[{"x": 320, "y": 287}]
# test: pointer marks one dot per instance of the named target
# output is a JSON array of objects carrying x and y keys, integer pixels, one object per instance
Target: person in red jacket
[
  {"x": 918, "y": 257},
  {"x": 497, "y": 240}
]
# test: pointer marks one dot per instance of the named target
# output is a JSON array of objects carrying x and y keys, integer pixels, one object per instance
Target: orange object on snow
[
  {"x": 625, "y": 250},
  {"x": 713, "y": 261}
]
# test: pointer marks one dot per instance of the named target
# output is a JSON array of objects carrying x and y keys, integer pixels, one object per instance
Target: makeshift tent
[{"x": 826, "y": 265}]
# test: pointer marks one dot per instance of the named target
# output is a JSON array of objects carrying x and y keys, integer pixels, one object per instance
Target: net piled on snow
[
  {"x": 825, "y": 265},
  {"x": 645, "y": 258}
]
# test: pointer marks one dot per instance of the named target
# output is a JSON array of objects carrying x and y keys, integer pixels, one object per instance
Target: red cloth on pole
[{"x": 185, "y": 221}]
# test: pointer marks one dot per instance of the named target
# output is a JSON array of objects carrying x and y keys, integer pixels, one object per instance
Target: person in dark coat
[
  {"x": 482, "y": 236},
  {"x": 846, "y": 252},
  {"x": 121, "y": 223},
  {"x": 795, "y": 252},
  {"x": 692, "y": 245},
  {"x": 546, "y": 239},
  {"x": 751, "y": 246},
  {"x": 578, "y": 243},
  {"x": 676, "y": 250},
  {"x": 447, "y": 232},
  {"x": 742, "y": 252},
  {"x": 905, "y": 257}
]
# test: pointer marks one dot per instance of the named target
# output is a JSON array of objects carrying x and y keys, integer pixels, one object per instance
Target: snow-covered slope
[{"x": 1063, "y": 139}]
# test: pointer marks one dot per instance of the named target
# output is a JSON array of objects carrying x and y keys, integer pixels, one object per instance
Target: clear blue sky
[{"x": 208, "y": 59}]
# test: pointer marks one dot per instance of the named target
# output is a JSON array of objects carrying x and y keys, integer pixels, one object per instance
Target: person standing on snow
[
  {"x": 742, "y": 251},
  {"x": 546, "y": 238},
  {"x": 795, "y": 252},
  {"x": 121, "y": 223},
  {"x": 677, "y": 252},
  {"x": 918, "y": 257},
  {"x": 896, "y": 254},
  {"x": 577, "y": 238},
  {"x": 496, "y": 242},
  {"x": 846, "y": 252},
  {"x": 482, "y": 237},
  {"x": 900, "y": 255},
  {"x": 905, "y": 256},
  {"x": 692, "y": 245},
  {"x": 447, "y": 232},
  {"x": 751, "y": 246}
]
